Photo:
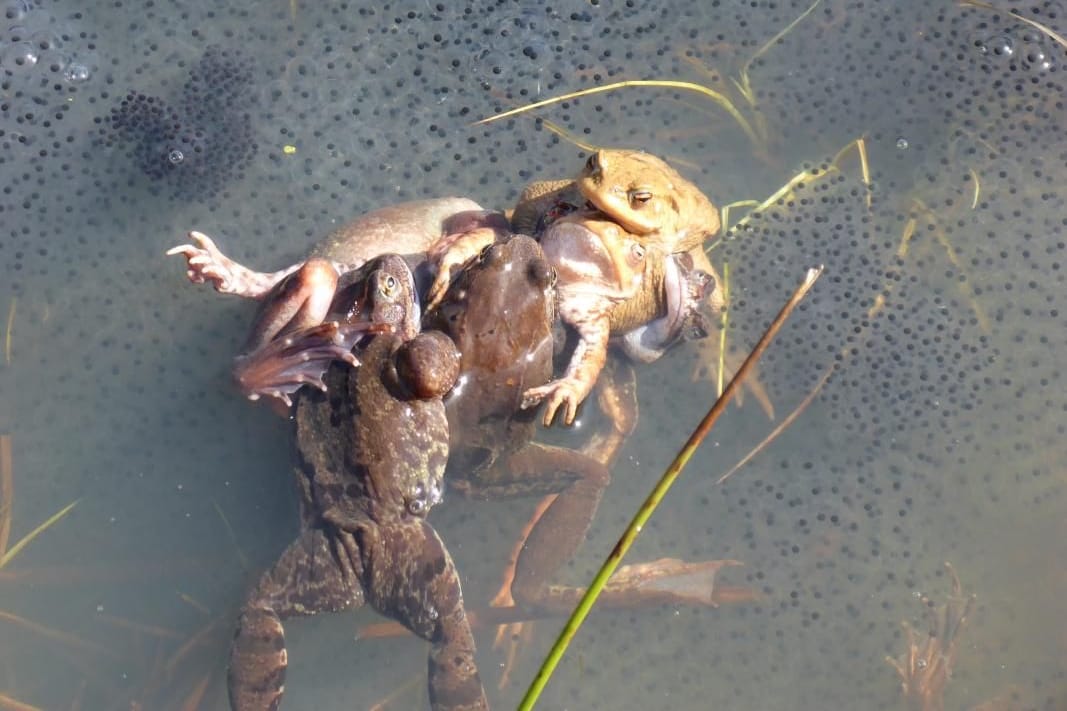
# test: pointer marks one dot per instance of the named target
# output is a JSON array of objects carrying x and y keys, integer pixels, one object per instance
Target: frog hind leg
[
  {"x": 663, "y": 581},
  {"x": 284, "y": 365},
  {"x": 410, "y": 577},
  {"x": 563, "y": 526},
  {"x": 300, "y": 300},
  {"x": 309, "y": 577}
]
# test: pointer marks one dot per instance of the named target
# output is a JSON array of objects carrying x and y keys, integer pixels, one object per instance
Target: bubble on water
[
  {"x": 902, "y": 143},
  {"x": 1035, "y": 56},
  {"x": 45, "y": 40},
  {"x": 1001, "y": 45},
  {"x": 76, "y": 73},
  {"x": 19, "y": 56},
  {"x": 16, "y": 33}
]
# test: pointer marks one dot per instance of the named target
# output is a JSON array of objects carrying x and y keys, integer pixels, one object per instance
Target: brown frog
[
  {"x": 372, "y": 452},
  {"x": 612, "y": 285},
  {"x": 284, "y": 350},
  {"x": 500, "y": 314}
]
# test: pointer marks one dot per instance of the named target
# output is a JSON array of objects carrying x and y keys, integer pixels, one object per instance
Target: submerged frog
[
  {"x": 318, "y": 291},
  {"x": 500, "y": 314},
  {"x": 373, "y": 450}
]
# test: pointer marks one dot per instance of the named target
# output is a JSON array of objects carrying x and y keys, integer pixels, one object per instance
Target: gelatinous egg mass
[{"x": 195, "y": 143}]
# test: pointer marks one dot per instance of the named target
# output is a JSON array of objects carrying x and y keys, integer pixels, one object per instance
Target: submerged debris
[{"x": 927, "y": 665}]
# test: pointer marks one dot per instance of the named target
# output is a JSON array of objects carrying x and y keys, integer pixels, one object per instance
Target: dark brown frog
[
  {"x": 500, "y": 313},
  {"x": 372, "y": 450}
]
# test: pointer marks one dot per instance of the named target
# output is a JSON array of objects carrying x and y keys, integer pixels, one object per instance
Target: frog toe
[{"x": 284, "y": 365}]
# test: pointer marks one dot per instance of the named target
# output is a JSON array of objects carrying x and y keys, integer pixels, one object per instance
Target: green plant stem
[{"x": 661, "y": 488}]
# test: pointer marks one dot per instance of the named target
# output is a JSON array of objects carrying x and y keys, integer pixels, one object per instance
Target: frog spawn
[{"x": 200, "y": 143}]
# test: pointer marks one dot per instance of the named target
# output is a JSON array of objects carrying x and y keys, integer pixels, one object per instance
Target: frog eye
[
  {"x": 387, "y": 286},
  {"x": 592, "y": 164},
  {"x": 417, "y": 507},
  {"x": 640, "y": 197},
  {"x": 637, "y": 252}
]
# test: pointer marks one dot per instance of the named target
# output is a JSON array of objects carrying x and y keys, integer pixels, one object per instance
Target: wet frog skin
[
  {"x": 638, "y": 191},
  {"x": 310, "y": 293},
  {"x": 611, "y": 285},
  {"x": 372, "y": 455},
  {"x": 500, "y": 314}
]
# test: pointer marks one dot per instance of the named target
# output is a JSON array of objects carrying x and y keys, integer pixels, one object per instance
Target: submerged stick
[
  {"x": 7, "y": 491},
  {"x": 24, "y": 541},
  {"x": 657, "y": 494}
]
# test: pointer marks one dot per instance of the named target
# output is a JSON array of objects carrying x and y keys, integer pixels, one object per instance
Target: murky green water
[{"x": 939, "y": 436}]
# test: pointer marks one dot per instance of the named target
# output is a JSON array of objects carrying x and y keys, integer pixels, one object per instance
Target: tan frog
[
  {"x": 637, "y": 190},
  {"x": 664, "y": 215}
]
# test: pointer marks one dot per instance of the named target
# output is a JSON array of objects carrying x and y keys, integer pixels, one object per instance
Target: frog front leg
[
  {"x": 309, "y": 577},
  {"x": 207, "y": 263},
  {"x": 464, "y": 236},
  {"x": 586, "y": 363}
]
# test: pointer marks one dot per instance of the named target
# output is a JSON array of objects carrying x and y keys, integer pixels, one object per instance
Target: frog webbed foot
[
  {"x": 284, "y": 365},
  {"x": 567, "y": 393},
  {"x": 206, "y": 263}
]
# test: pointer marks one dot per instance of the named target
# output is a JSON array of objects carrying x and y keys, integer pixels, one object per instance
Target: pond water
[{"x": 939, "y": 435}]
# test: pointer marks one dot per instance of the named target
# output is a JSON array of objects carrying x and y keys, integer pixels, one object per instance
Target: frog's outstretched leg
[
  {"x": 285, "y": 364},
  {"x": 206, "y": 263},
  {"x": 300, "y": 300},
  {"x": 327, "y": 570},
  {"x": 409, "y": 576},
  {"x": 309, "y": 577}
]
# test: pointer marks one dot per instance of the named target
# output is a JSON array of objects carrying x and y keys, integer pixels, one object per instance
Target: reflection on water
[{"x": 938, "y": 437}]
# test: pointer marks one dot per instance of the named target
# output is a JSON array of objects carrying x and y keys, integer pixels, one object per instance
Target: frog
[
  {"x": 611, "y": 285},
  {"x": 316, "y": 291},
  {"x": 500, "y": 312},
  {"x": 372, "y": 450},
  {"x": 663, "y": 212},
  {"x": 637, "y": 190}
]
